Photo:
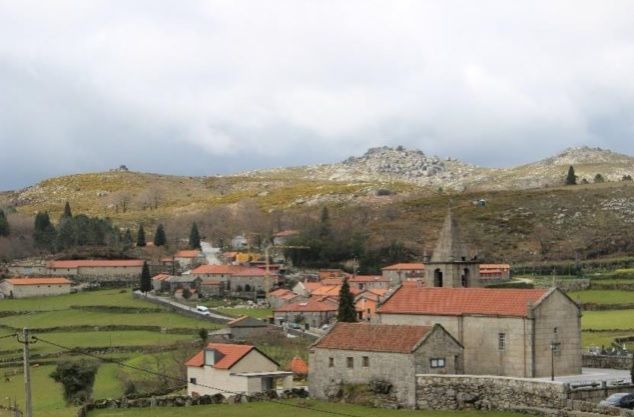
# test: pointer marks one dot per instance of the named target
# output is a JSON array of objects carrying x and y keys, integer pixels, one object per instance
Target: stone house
[
  {"x": 398, "y": 273},
  {"x": 367, "y": 302},
  {"x": 190, "y": 258},
  {"x": 312, "y": 313},
  {"x": 360, "y": 353},
  {"x": 22, "y": 287},
  {"x": 245, "y": 327},
  {"x": 368, "y": 282},
  {"x": 495, "y": 272},
  {"x": 159, "y": 282},
  {"x": 211, "y": 288},
  {"x": 282, "y": 296},
  {"x": 98, "y": 269},
  {"x": 238, "y": 280},
  {"x": 506, "y": 332},
  {"x": 230, "y": 369},
  {"x": 179, "y": 282}
]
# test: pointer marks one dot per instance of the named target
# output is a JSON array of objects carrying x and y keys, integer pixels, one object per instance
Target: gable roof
[
  {"x": 409, "y": 299},
  {"x": 313, "y": 304},
  {"x": 160, "y": 277},
  {"x": 298, "y": 366},
  {"x": 38, "y": 281},
  {"x": 405, "y": 266},
  {"x": 188, "y": 254},
  {"x": 231, "y": 354},
  {"x": 103, "y": 263},
  {"x": 373, "y": 337}
]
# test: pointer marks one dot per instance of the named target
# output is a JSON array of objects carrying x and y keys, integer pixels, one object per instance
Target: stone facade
[{"x": 34, "y": 287}]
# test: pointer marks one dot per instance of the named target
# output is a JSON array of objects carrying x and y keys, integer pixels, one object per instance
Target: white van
[{"x": 202, "y": 310}]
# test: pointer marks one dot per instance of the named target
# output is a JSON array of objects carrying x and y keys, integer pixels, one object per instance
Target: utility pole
[{"x": 28, "y": 405}]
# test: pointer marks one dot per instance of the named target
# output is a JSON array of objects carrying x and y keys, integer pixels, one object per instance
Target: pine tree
[
  {"x": 67, "y": 213},
  {"x": 159, "y": 236},
  {"x": 43, "y": 233},
  {"x": 346, "y": 312},
  {"x": 146, "y": 280},
  {"x": 127, "y": 239},
  {"x": 571, "y": 178},
  {"x": 140, "y": 237},
  {"x": 4, "y": 224},
  {"x": 66, "y": 236},
  {"x": 194, "y": 237}
]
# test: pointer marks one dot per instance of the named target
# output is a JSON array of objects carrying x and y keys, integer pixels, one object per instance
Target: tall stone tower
[{"x": 451, "y": 265}]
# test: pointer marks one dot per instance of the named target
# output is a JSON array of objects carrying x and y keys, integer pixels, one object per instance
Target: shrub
[{"x": 78, "y": 378}]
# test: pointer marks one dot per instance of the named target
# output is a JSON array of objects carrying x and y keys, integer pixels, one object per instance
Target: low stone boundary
[
  {"x": 181, "y": 308},
  {"x": 591, "y": 407},
  {"x": 607, "y": 361},
  {"x": 605, "y": 307},
  {"x": 598, "y": 393},
  {"x": 187, "y": 401},
  {"x": 451, "y": 392}
]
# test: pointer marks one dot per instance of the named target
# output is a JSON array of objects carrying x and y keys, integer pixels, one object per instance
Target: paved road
[
  {"x": 590, "y": 375},
  {"x": 184, "y": 307}
]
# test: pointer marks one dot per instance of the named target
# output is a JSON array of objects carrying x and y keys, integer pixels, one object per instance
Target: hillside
[{"x": 401, "y": 194}]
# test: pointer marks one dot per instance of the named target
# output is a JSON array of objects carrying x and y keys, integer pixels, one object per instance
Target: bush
[
  {"x": 384, "y": 192},
  {"x": 78, "y": 378}
]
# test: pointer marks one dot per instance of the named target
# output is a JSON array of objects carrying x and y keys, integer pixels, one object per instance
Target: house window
[
  {"x": 501, "y": 341},
  {"x": 350, "y": 362},
  {"x": 366, "y": 361},
  {"x": 192, "y": 380},
  {"x": 331, "y": 362},
  {"x": 437, "y": 362}
]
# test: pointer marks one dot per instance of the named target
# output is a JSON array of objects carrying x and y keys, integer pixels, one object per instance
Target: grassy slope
[
  {"x": 63, "y": 302},
  {"x": 603, "y": 296},
  {"x": 278, "y": 410},
  {"x": 607, "y": 320}
]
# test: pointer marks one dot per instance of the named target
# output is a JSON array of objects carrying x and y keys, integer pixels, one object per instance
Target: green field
[
  {"x": 608, "y": 320},
  {"x": 258, "y": 313},
  {"x": 603, "y": 296},
  {"x": 63, "y": 302},
  {"x": 604, "y": 338},
  {"x": 267, "y": 409}
]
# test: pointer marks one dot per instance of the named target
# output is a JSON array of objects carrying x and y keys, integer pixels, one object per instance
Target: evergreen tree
[
  {"x": 598, "y": 179},
  {"x": 194, "y": 237},
  {"x": 127, "y": 239},
  {"x": 159, "y": 236},
  {"x": 146, "y": 279},
  {"x": 626, "y": 178},
  {"x": 571, "y": 178},
  {"x": 347, "y": 312},
  {"x": 324, "y": 229},
  {"x": 4, "y": 224},
  {"x": 44, "y": 233},
  {"x": 67, "y": 213},
  {"x": 140, "y": 237},
  {"x": 66, "y": 236}
]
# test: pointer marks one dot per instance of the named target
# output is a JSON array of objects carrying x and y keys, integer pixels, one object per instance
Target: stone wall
[
  {"x": 607, "y": 361},
  {"x": 596, "y": 394},
  {"x": 450, "y": 392}
]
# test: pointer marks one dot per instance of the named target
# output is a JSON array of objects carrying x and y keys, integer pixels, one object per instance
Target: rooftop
[
  {"x": 38, "y": 281},
  {"x": 230, "y": 355},
  {"x": 188, "y": 254},
  {"x": 313, "y": 304},
  {"x": 405, "y": 266},
  {"x": 103, "y": 263}
]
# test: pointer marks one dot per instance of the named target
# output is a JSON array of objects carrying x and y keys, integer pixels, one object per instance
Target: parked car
[
  {"x": 620, "y": 400},
  {"x": 202, "y": 310},
  {"x": 295, "y": 326}
]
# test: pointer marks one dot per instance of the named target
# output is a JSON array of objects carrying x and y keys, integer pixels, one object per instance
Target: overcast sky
[{"x": 207, "y": 87}]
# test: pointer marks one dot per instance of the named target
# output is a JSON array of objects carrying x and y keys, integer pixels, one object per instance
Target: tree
[
  {"x": 571, "y": 178},
  {"x": 140, "y": 237},
  {"x": 324, "y": 229},
  {"x": 127, "y": 239},
  {"x": 159, "y": 236},
  {"x": 146, "y": 279},
  {"x": 626, "y": 178},
  {"x": 78, "y": 378},
  {"x": 43, "y": 233},
  {"x": 346, "y": 312},
  {"x": 4, "y": 224},
  {"x": 598, "y": 179},
  {"x": 187, "y": 293},
  {"x": 194, "y": 237},
  {"x": 67, "y": 213},
  {"x": 204, "y": 335}
]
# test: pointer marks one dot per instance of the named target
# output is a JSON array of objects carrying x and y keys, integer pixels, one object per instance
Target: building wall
[
  {"x": 439, "y": 344},
  {"x": 395, "y": 368},
  {"x": 128, "y": 272},
  {"x": 22, "y": 291},
  {"x": 452, "y": 274},
  {"x": 396, "y": 277},
  {"x": 314, "y": 319},
  {"x": 560, "y": 313}
]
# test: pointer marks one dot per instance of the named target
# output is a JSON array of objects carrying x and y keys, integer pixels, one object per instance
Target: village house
[
  {"x": 494, "y": 272},
  {"x": 312, "y": 313},
  {"x": 22, "y": 287},
  {"x": 508, "y": 332},
  {"x": 283, "y": 237},
  {"x": 368, "y": 282},
  {"x": 98, "y": 269},
  {"x": 159, "y": 282},
  {"x": 398, "y": 273},
  {"x": 230, "y": 369},
  {"x": 180, "y": 282},
  {"x": 282, "y": 296},
  {"x": 240, "y": 242},
  {"x": 367, "y": 301},
  {"x": 360, "y": 353},
  {"x": 211, "y": 288},
  {"x": 190, "y": 258},
  {"x": 245, "y": 327},
  {"x": 238, "y": 280}
]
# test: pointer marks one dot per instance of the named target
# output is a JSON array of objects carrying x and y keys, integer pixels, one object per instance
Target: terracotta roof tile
[
  {"x": 234, "y": 270},
  {"x": 373, "y": 337},
  {"x": 312, "y": 304},
  {"x": 298, "y": 366},
  {"x": 460, "y": 301},
  {"x": 231, "y": 354},
  {"x": 160, "y": 277},
  {"x": 368, "y": 278},
  {"x": 188, "y": 254},
  {"x": 405, "y": 266},
  {"x": 103, "y": 263},
  {"x": 38, "y": 281}
]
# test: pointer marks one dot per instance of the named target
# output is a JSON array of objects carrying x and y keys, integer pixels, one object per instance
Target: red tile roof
[
  {"x": 188, "y": 254},
  {"x": 231, "y": 354},
  {"x": 234, "y": 270},
  {"x": 405, "y": 266},
  {"x": 38, "y": 281},
  {"x": 331, "y": 281},
  {"x": 283, "y": 293},
  {"x": 313, "y": 304},
  {"x": 495, "y": 266},
  {"x": 99, "y": 263},
  {"x": 160, "y": 277},
  {"x": 298, "y": 366},
  {"x": 368, "y": 278},
  {"x": 373, "y": 337},
  {"x": 459, "y": 301}
]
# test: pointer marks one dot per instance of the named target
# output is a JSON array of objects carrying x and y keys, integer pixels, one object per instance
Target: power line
[{"x": 149, "y": 371}]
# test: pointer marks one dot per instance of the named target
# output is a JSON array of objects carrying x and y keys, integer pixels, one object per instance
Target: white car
[{"x": 202, "y": 310}]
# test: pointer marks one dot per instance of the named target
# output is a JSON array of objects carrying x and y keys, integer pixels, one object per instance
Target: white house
[{"x": 230, "y": 369}]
